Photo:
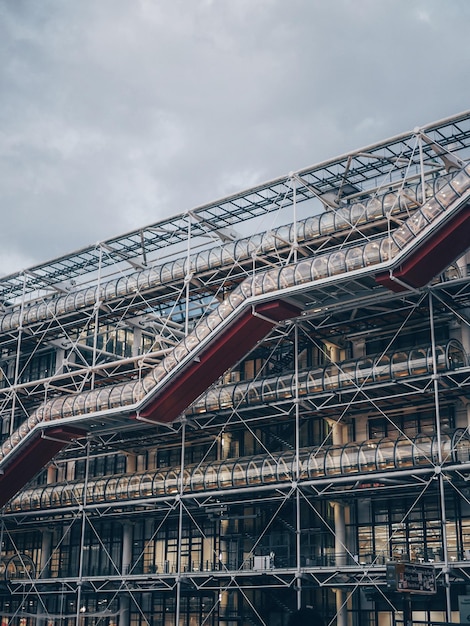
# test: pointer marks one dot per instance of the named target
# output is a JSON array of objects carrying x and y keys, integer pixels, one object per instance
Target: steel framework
[{"x": 249, "y": 407}]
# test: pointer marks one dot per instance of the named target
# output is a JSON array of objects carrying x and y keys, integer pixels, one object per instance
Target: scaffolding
[{"x": 250, "y": 407}]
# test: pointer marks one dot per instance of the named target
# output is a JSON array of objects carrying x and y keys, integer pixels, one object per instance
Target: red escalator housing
[
  {"x": 433, "y": 256},
  {"x": 32, "y": 456},
  {"x": 226, "y": 349}
]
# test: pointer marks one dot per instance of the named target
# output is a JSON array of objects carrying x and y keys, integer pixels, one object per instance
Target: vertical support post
[
  {"x": 407, "y": 613},
  {"x": 297, "y": 467},
  {"x": 187, "y": 277},
  {"x": 96, "y": 318},
  {"x": 124, "y": 600},
  {"x": 340, "y": 535},
  {"x": 46, "y": 548},
  {"x": 295, "y": 242},
  {"x": 421, "y": 165},
  {"x": 180, "y": 526},
  {"x": 17, "y": 357},
  {"x": 82, "y": 535},
  {"x": 438, "y": 469}
]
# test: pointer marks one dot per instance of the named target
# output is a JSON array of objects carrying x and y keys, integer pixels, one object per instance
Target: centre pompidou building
[{"x": 256, "y": 405}]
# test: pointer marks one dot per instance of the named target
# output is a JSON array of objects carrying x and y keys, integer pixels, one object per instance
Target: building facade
[{"x": 256, "y": 405}]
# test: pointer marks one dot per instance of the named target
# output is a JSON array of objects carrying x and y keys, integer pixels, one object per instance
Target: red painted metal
[
  {"x": 226, "y": 349},
  {"x": 433, "y": 256},
  {"x": 33, "y": 455}
]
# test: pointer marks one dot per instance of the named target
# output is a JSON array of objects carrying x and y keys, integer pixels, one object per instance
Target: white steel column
[
  {"x": 438, "y": 468},
  {"x": 179, "y": 501},
  {"x": 298, "y": 524},
  {"x": 17, "y": 358},
  {"x": 124, "y": 600},
  {"x": 340, "y": 536},
  {"x": 82, "y": 536}
]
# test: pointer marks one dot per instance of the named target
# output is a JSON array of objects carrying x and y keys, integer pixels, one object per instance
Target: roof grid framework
[{"x": 355, "y": 172}]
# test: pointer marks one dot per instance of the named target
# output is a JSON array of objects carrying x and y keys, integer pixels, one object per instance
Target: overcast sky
[{"x": 117, "y": 113}]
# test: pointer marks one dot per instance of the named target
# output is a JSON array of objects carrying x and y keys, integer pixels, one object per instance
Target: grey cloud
[{"x": 119, "y": 112}]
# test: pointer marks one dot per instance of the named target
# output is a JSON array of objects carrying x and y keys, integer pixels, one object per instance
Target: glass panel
[
  {"x": 417, "y": 222},
  {"x": 460, "y": 182},
  {"x": 172, "y": 482},
  {"x": 284, "y": 467},
  {"x": 99, "y": 490},
  {"x": 115, "y": 397},
  {"x": 431, "y": 209},
  {"x": 315, "y": 381},
  {"x": 358, "y": 213},
  {"x": 367, "y": 456},
  {"x": 446, "y": 448},
  {"x": 462, "y": 449},
  {"x": 330, "y": 377},
  {"x": 146, "y": 486},
  {"x": 428, "y": 192},
  {"x": 121, "y": 488},
  {"x": 254, "y": 471},
  {"x": 364, "y": 370},
  {"x": 333, "y": 460},
  {"x": 56, "y": 495},
  {"x": 446, "y": 195},
  {"x": 374, "y": 208},
  {"x": 327, "y": 223},
  {"x": 350, "y": 458},
  {"x": 303, "y": 272},
  {"x": 402, "y": 236},
  {"x": 287, "y": 276},
  {"x": 211, "y": 401},
  {"x": 456, "y": 355},
  {"x": 320, "y": 267},
  {"x": 372, "y": 253},
  {"x": 336, "y": 263},
  {"x": 253, "y": 391},
  {"x": 385, "y": 454},
  {"x": 224, "y": 398},
  {"x": 302, "y": 386},
  {"x": 441, "y": 361},
  {"x": 390, "y": 203},
  {"x": 343, "y": 218},
  {"x": 239, "y": 475},
  {"x": 269, "y": 390},
  {"x": 197, "y": 479},
  {"x": 67, "y": 406},
  {"x": 422, "y": 450},
  {"x": 270, "y": 282},
  {"x": 354, "y": 259},
  {"x": 91, "y": 401},
  {"x": 110, "y": 489},
  {"x": 382, "y": 368},
  {"x": 269, "y": 471},
  {"x": 225, "y": 475},
  {"x": 388, "y": 249},
  {"x": 418, "y": 362},
  {"x": 284, "y": 387},
  {"x": 316, "y": 463},
  {"x": 210, "y": 477},
  {"x": 404, "y": 452},
  {"x": 312, "y": 225},
  {"x": 399, "y": 365},
  {"x": 214, "y": 319},
  {"x": 347, "y": 375},
  {"x": 134, "y": 487}
]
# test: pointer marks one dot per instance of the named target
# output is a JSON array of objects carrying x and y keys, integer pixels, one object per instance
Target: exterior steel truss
[{"x": 333, "y": 444}]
